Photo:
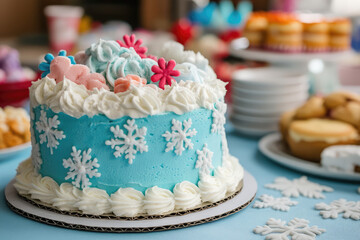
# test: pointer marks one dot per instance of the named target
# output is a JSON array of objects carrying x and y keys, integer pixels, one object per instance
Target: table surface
[{"x": 236, "y": 226}]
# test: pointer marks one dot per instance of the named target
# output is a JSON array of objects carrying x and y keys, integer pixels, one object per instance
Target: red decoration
[
  {"x": 130, "y": 42},
  {"x": 164, "y": 72},
  {"x": 183, "y": 31}
]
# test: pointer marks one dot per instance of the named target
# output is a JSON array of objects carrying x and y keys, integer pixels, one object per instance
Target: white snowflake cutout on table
[
  {"x": 219, "y": 119},
  {"x": 282, "y": 204},
  {"x": 180, "y": 137},
  {"x": 297, "y": 228},
  {"x": 81, "y": 167},
  {"x": 130, "y": 144},
  {"x": 350, "y": 209},
  {"x": 204, "y": 160},
  {"x": 47, "y": 127},
  {"x": 299, "y": 186}
]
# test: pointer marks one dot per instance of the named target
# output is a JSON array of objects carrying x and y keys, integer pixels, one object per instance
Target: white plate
[
  {"x": 13, "y": 151},
  {"x": 273, "y": 147},
  {"x": 262, "y": 120},
  {"x": 233, "y": 205},
  {"x": 263, "y": 110},
  {"x": 272, "y": 77},
  {"x": 253, "y": 132},
  {"x": 276, "y": 57},
  {"x": 270, "y": 92},
  {"x": 268, "y": 106},
  {"x": 285, "y": 96},
  {"x": 276, "y": 100}
]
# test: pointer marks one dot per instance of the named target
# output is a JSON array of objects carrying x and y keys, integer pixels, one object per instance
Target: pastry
[
  {"x": 340, "y": 98},
  {"x": 255, "y": 30},
  {"x": 14, "y": 127},
  {"x": 284, "y": 33},
  {"x": 316, "y": 36},
  {"x": 340, "y": 34},
  {"x": 344, "y": 158},
  {"x": 308, "y": 138},
  {"x": 120, "y": 133},
  {"x": 313, "y": 108}
]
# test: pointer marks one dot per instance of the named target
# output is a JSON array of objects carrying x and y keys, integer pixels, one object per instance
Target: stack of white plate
[{"x": 261, "y": 95}]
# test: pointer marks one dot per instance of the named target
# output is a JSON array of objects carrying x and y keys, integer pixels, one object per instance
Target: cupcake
[
  {"x": 340, "y": 34},
  {"x": 284, "y": 33},
  {"x": 255, "y": 29},
  {"x": 308, "y": 138},
  {"x": 316, "y": 36}
]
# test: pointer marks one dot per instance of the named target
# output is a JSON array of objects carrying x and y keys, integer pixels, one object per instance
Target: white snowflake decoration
[
  {"x": 81, "y": 167},
  {"x": 297, "y": 228},
  {"x": 204, "y": 160},
  {"x": 350, "y": 209},
  {"x": 47, "y": 127},
  {"x": 218, "y": 118},
  {"x": 180, "y": 137},
  {"x": 299, "y": 186},
  {"x": 36, "y": 157},
  {"x": 129, "y": 144},
  {"x": 282, "y": 204}
]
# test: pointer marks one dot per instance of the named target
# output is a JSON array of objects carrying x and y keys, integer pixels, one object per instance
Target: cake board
[{"x": 235, "y": 204}]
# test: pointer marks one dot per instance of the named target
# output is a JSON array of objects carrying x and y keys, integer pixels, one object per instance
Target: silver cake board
[{"x": 241, "y": 200}]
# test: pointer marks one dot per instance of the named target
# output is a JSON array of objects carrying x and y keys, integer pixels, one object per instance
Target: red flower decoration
[
  {"x": 130, "y": 42},
  {"x": 164, "y": 72}
]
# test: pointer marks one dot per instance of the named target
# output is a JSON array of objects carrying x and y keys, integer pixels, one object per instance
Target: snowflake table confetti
[
  {"x": 297, "y": 228},
  {"x": 282, "y": 204},
  {"x": 349, "y": 209},
  {"x": 300, "y": 186}
]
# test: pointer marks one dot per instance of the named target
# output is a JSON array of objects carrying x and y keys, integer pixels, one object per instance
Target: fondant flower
[
  {"x": 123, "y": 84},
  {"x": 152, "y": 57},
  {"x": 164, "y": 73},
  {"x": 45, "y": 66},
  {"x": 60, "y": 68},
  {"x": 130, "y": 42}
]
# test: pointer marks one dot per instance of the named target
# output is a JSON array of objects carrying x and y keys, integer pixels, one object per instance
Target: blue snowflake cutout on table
[{"x": 45, "y": 66}]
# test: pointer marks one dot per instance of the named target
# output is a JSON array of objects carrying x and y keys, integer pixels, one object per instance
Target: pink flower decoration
[
  {"x": 61, "y": 68},
  {"x": 130, "y": 42},
  {"x": 164, "y": 72},
  {"x": 124, "y": 83}
]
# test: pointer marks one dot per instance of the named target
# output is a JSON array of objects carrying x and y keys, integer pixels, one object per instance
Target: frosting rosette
[
  {"x": 187, "y": 195},
  {"x": 158, "y": 201},
  {"x": 66, "y": 197},
  {"x": 94, "y": 201},
  {"x": 98, "y": 55},
  {"x": 128, "y": 62},
  {"x": 127, "y": 202}
]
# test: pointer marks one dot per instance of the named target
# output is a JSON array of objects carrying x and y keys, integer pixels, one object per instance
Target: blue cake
[{"x": 116, "y": 131}]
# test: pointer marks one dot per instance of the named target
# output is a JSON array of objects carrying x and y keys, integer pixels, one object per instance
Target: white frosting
[
  {"x": 94, "y": 201},
  {"x": 75, "y": 100},
  {"x": 129, "y": 202},
  {"x": 212, "y": 189},
  {"x": 187, "y": 195},
  {"x": 66, "y": 197},
  {"x": 341, "y": 158},
  {"x": 158, "y": 201},
  {"x": 43, "y": 189}
]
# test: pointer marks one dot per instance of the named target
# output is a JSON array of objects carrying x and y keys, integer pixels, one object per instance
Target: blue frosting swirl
[
  {"x": 129, "y": 62},
  {"x": 101, "y": 53},
  {"x": 190, "y": 72}
]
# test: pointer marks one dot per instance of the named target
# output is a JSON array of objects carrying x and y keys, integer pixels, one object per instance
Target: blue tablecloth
[{"x": 237, "y": 226}]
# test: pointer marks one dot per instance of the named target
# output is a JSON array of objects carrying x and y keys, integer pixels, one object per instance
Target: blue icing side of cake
[{"x": 152, "y": 168}]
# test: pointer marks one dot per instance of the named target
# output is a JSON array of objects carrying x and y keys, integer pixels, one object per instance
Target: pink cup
[{"x": 63, "y": 24}]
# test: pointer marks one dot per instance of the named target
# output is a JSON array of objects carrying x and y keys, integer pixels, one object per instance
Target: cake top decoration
[
  {"x": 129, "y": 41},
  {"x": 45, "y": 66},
  {"x": 164, "y": 72}
]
